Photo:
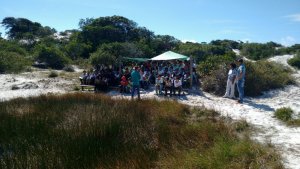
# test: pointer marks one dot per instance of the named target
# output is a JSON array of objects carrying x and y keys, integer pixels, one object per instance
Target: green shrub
[
  {"x": 11, "y": 62},
  {"x": 213, "y": 63},
  {"x": 263, "y": 76},
  {"x": 104, "y": 58},
  {"x": 12, "y": 46},
  {"x": 260, "y": 76},
  {"x": 53, "y": 74},
  {"x": 295, "y": 61},
  {"x": 52, "y": 56},
  {"x": 258, "y": 51},
  {"x": 284, "y": 114}
]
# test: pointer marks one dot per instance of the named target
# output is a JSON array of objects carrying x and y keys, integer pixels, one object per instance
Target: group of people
[
  {"x": 167, "y": 77},
  {"x": 101, "y": 78},
  {"x": 236, "y": 77}
]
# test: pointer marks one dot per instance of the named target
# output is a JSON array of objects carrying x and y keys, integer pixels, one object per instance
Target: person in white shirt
[
  {"x": 177, "y": 86},
  {"x": 159, "y": 84},
  {"x": 231, "y": 82}
]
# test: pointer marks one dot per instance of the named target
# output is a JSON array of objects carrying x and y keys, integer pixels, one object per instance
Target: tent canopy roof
[
  {"x": 170, "y": 56},
  {"x": 136, "y": 59}
]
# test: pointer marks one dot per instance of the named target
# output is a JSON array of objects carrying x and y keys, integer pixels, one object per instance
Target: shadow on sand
[{"x": 258, "y": 106}]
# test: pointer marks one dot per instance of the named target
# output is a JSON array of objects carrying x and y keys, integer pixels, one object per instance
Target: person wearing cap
[
  {"x": 135, "y": 79},
  {"x": 241, "y": 79}
]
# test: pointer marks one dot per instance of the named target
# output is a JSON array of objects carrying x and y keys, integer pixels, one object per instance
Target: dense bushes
[
  {"x": 214, "y": 73},
  {"x": 95, "y": 131},
  {"x": 295, "y": 61},
  {"x": 52, "y": 56},
  {"x": 258, "y": 51},
  {"x": 263, "y": 75},
  {"x": 260, "y": 76},
  {"x": 11, "y": 62}
]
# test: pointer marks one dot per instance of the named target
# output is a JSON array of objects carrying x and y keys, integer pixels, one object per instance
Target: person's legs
[
  {"x": 138, "y": 92},
  {"x": 132, "y": 91},
  {"x": 240, "y": 86},
  {"x": 160, "y": 88},
  {"x": 179, "y": 90},
  {"x": 227, "y": 89},
  {"x": 156, "y": 89},
  {"x": 166, "y": 90},
  {"x": 231, "y": 95}
]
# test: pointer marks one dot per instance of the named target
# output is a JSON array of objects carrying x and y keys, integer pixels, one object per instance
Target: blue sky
[{"x": 193, "y": 20}]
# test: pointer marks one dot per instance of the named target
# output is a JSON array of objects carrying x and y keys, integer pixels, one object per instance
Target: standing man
[
  {"x": 241, "y": 79},
  {"x": 135, "y": 79}
]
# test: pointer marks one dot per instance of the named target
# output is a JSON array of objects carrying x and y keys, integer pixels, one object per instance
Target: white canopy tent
[{"x": 170, "y": 56}]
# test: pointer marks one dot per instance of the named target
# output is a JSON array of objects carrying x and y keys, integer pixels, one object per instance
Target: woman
[{"x": 231, "y": 81}]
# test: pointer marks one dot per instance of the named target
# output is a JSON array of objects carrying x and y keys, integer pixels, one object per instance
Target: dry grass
[{"x": 95, "y": 131}]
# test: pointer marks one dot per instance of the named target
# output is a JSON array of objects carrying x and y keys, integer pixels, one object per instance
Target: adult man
[
  {"x": 135, "y": 79},
  {"x": 241, "y": 79}
]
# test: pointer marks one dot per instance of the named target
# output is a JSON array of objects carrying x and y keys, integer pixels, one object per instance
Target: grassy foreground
[{"x": 95, "y": 131}]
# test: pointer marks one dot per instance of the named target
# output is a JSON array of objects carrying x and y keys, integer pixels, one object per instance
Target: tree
[
  {"x": 114, "y": 52},
  {"x": 24, "y": 29}
]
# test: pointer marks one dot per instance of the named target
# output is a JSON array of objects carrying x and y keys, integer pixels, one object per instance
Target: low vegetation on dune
[
  {"x": 295, "y": 61},
  {"x": 263, "y": 76},
  {"x": 96, "y": 131},
  {"x": 286, "y": 114},
  {"x": 260, "y": 76}
]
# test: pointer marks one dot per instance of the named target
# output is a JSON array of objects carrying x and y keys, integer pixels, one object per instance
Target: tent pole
[
  {"x": 191, "y": 72},
  {"x": 120, "y": 67}
]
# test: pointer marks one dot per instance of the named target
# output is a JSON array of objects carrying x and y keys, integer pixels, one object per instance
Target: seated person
[
  {"x": 168, "y": 86},
  {"x": 83, "y": 77},
  {"x": 177, "y": 86},
  {"x": 124, "y": 85},
  {"x": 159, "y": 84}
]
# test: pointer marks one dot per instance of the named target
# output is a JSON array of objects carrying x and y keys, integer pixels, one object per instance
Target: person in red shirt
[{"x": 124, "y": 85}]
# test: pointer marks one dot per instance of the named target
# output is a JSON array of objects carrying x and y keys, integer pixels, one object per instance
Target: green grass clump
[
  {"x": 285, "y": 114},
  {"x": 53, "y": 74},
  {"x": 96, "y": 131},
  {"x": 295, "y": 61}
]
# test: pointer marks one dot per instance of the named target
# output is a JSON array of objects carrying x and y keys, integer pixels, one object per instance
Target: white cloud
[
  {"x": 190, "y": 40},
  {"x": 288, "y": 41},
  {"x": 294, "y": 17}
]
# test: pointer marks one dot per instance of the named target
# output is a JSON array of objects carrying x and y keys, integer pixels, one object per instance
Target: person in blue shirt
[
  {"x": 241, "y": 79},
  {"x": 135, "y": 79}
]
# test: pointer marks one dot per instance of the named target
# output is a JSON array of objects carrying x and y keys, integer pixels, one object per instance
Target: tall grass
[{"x": 95, "y": 131}]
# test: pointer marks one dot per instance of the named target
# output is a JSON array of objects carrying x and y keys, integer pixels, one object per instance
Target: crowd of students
[{"x": 168, "y": 77}]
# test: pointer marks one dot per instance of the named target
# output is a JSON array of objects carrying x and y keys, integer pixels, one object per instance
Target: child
[
  {"x": 124, "y": 85},
  {"x": 177, "y": 86},
  {"x": 158, "y": 85}
]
